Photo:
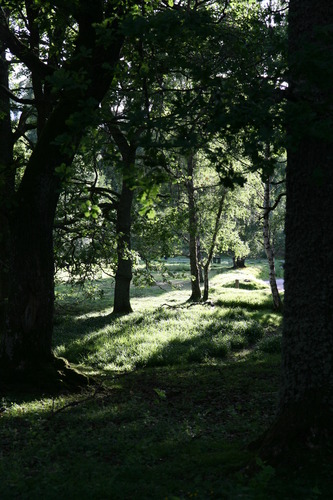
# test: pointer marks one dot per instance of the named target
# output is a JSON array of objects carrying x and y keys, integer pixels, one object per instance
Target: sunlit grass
[
  {"x": 185, "y": 389},
  {"x": 165, "y": 330}
]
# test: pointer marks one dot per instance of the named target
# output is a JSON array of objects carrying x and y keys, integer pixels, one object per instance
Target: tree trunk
[
  {"x": 193, "y": 229},
  {"x": 269, "y": 248},
  {"x": 238, "y": 262},
  {"x": 212, "y": 247},
  {"x": 27, "y": 340},
  {"x": 200, "y": 266},
  {"x": 306, "y": 401},
  {"x": 7, "y": 179},
  {"x": 122, "y": 304}
]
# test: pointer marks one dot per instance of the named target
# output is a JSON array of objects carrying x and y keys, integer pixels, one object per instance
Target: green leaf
[
  {"x": 151, "y": 214},
  {"x": 161, "y": 393}
]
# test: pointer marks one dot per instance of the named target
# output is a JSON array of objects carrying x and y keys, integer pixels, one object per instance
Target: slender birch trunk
[
  {"x": 269, "y": 250},
  {"x": 212, "y": 247}
]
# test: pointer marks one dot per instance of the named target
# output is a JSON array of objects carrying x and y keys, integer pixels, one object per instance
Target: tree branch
[
  {"x": 273, "y": 207},
  {"x": 20, "y": 50},
  {"x": 13, "y": 97}
]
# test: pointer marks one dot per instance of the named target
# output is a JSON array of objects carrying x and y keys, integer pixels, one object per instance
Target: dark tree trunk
[
  {"x": 122, "y": 304},
  {"x": 201, "y": 275},
  {"x": 7, "y": 178},
  {"x": 193, "y": 230},
  {"x": 306, "y": 401},
  {"x": 269, "y": 248},
  {"x": 27, "y": 341},
  {"x": 238, "y": 262}
]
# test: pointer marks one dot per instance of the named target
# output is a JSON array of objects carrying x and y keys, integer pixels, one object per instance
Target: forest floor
[{"x": 178, "y": 393}]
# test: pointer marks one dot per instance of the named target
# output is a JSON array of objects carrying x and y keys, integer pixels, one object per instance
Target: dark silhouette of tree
[
  {"x": 69, "y": 76},
  {"x": 305, "y": 409}
]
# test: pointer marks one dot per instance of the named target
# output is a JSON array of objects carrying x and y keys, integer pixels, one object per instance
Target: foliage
[
  {"x": 167, "y": 103},
  {"x": 84, "y": 229}
]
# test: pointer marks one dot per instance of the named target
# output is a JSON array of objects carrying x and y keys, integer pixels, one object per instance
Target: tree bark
[
  {"x": 7, "y": 179},
  {"x": 306, "y": 400},
  {"x": 269, "y": 250},
  {"x": 27, "y": 340},
  {"x": 200, "y": 266},
  {"x": 193, "y": 231}
]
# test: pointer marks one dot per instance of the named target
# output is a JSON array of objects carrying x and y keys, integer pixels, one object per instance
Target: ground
[{"x": 180, "y": 393}]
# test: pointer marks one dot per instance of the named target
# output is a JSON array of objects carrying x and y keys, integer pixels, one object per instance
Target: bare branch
[{"x": 273, "y": 207}]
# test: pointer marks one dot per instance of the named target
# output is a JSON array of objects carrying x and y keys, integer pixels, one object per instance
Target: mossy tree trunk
[{"x": 306, "y": 401}]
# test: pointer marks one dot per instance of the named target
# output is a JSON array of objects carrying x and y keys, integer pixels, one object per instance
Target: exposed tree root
[
  {"x": 53, "y": 376},
  {"x": 300, "y": 428}
]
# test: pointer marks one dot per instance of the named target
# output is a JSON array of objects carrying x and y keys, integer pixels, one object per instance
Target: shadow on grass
[
  {"x": 75, "y": 301},
  {"x": 79, "y": 302},
  {"x": 157, "y": 433},
  {"x": 153, "y": 339}
]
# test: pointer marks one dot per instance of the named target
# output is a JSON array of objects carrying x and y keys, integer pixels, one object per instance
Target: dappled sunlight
[
  {"x": 176, "y": 390},
  {"x": 165, "y": 330}
]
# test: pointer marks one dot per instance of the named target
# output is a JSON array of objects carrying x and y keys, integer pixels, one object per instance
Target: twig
[{"x": 74, "y": 403}]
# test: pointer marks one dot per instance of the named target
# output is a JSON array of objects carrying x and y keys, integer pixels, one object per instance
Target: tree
[
  {"x": 305, "y": 409},
  {"x": 123, "y": 276},
  {"x": 213, "y": 243},
  {"x": 6, "y": 181},
  {"x": 268, "y": 209},
  {"x": 70, "y": 50}
]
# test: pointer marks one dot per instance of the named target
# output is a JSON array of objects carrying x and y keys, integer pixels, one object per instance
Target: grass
[{"x": 185, "y": 389}]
